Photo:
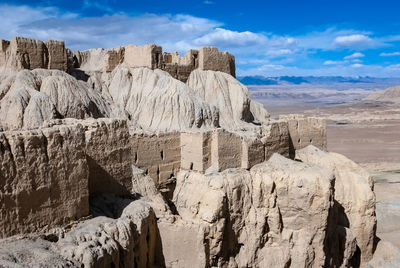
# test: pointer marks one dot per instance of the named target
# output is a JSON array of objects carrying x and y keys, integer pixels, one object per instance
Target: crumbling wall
[
  {"x": 305, "y": 131},
  {"x": 226, "y": 150},
  {"x": 109, "y": 156},
  {"x": 57, "y": 55},
  {"x": 43, "y": 179},
  {"x": 4, "y": 44},
  {"x": 220, "y": 149},
  {"x": 253, "y": 152},
  {"x": 149, "y": 56},
  {"x": 103, "y": 60},
  {"x": 180, "y": 67},
  {"x": 196, "y": 150},
  {"x": 24, "y": 53},
  {"x": 212, "y": 59},
  {"x": 159, "y": 155},
  {"x": 276, "y": 139}
]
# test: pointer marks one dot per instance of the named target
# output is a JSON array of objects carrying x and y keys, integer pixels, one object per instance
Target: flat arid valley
[{"x": 199, "y": 134}]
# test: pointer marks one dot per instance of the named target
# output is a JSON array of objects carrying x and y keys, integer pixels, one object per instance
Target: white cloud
[
  {"x": 208, "y": 2},
  {"x": 354, "y": 56},
  {"x": 271, "y": 54},
  {"x": 357, "y": 65},
  {"x": 279, "y": 52},
  {"x": 331, "y": 62},
  {"x": 227, "y": 38},
  {"x": 389, "y": 54},
  {"x": 354, "y": 40}
]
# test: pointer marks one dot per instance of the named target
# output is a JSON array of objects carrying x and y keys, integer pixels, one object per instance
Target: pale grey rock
[
  {"x": 123, "y": 234},
  {"x": 274, "y": 215},
  {"x": 236, "y": 109},
  {"x": 158, "y": 102},
  {"x": 44, "y": 179},
  {"x": 354, "y": 196},
  {"x": 130, "y": 240},
  {"x": 31, "y": 97},
  {"x": 391, "y": 94}
]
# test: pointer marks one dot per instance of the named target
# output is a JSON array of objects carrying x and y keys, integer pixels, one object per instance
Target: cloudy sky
[{"x": 270, "y": 38}]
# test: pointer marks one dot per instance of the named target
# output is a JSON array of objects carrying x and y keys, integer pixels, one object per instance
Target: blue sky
[{"x": 271, "y": 38}]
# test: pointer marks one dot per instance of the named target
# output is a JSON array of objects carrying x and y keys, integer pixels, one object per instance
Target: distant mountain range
[{"x": 321, "y": 80}]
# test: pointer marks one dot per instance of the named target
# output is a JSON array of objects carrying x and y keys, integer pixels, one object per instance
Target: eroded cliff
[{"x": 110, "y": 161}]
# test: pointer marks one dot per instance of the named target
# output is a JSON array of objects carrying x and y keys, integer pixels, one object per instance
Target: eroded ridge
[{"x": 131, "y": 157}]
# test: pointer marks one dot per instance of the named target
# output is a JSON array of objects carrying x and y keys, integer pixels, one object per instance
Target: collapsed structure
[
  {"x": 24, "y": 53},
  {"x": 173, "y": 173}
]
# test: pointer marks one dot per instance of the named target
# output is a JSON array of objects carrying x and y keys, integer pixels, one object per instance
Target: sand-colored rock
[
  {"x": 25, "y": 53},
  {"x": 354, "y": 196},
  {"x": 158, "y": 102},
  {"x": 177, "y": 174},
  {"x": 31, "y": 97},
  {"x": 212, "y": 59},
  {"x": 391, "y": 94},
  {"x": 57, "y": 55},
  {"x": 149, "y": 56},
  {"x": 102, "y": 60},
  {"x": 129, "y": 240},
  {"x": 43, "y": 179},
  {"x": 274, "y": 215},
  {"x": 109, "y": 156},
  {"x": 159, "y": 155},
  {"x": 305, "y": 131},
  {"x": 230, "y": 97}
]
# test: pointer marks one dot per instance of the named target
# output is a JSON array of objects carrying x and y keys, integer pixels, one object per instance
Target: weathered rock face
[
  {"x": 109, "y": 156},
  {"x": 174, "y": 174},
  {"x": 212, "y": 59},
  {"x": 219, "y": 149},
  {"x": 230, "y": 97},
  {"x": 28, "y": 98},
  {"x": 103, "y": 60},
  {"x": 159, "y": 155},
  {"x": 273, "y": 216},
  {"x": 354, "y": 198},
  {"x": 157, "y": 102},
  {"x": 391, "y": 94},
  {"x": 305, "y": 131},
  {"x": 149, "y": 56},
  {"x": 57, "y": 54},
  {"x": 43, "y": 179},
  {"x": 24, "y": 53},
  {"x": 128, "y": 241}
]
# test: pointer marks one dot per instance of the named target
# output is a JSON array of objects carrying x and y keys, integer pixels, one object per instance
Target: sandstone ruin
[{"x": 131, "y": 157}]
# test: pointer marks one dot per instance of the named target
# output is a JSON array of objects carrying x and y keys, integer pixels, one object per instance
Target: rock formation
[
  {"x": 354, "y": 199},
  {"x": 130, "y": 157},
  {"x": 391, "y": 95}
]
